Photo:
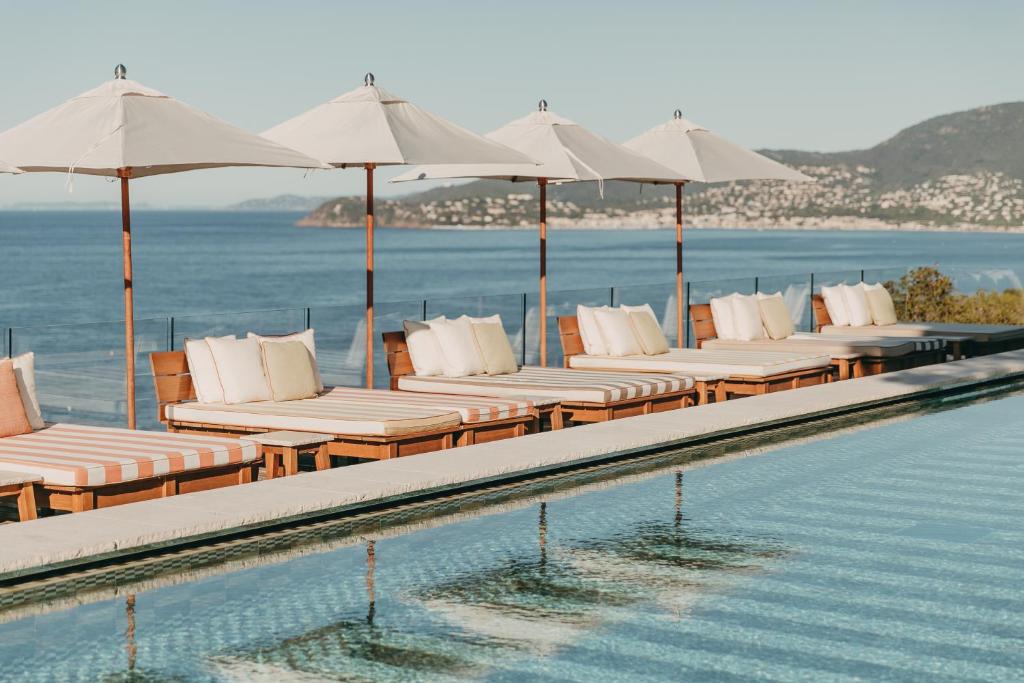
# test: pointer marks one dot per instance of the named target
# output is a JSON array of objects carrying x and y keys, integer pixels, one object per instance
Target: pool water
[{"x": 891, "y": 553}]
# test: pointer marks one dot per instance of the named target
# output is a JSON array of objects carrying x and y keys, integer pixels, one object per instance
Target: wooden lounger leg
[
  {"x": 858, "y": 368},
  {"x": 702, "y": 392},
  {"x": 466, "y": 438},
  {"x": 82, "y": 501},
  {"x": 271, "y": 462},
  {"x": 169, "y": 487},
  {"x": 323, "y": 458},
  {"x": 720, "y": 392},
  {"x": 27, "y": 503},
  {"x": 557, "y": 418},
  {"x": 290, "y": 456}
]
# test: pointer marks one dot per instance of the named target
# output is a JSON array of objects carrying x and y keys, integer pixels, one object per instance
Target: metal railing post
[
  {"x": 810, "y": 302},
  {"x": 423, "y": 310},
  {"x": 862, "y": 275},
  {"x": 686, "y": 312},
  {"x": 308, "y": 316},
  {"x": 523, "y": 312},
  {"x": 611, "y": 297},
  {"x": 757, "y": 284},
  {"x": 170, "y": 333},
  {"x": 9, "y": 340}
]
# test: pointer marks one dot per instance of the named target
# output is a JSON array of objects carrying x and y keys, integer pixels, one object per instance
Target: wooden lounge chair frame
[
  {"x": 731, "y": 386},
  {"x": 400, "y": 365},
  {"x": 846, "y": 368},
  {"x": 24, "y": 493},
  {"x": 958, "y": 348},
  {"x": 173, "y": 385}
]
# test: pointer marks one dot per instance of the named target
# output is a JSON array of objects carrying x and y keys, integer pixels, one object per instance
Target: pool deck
[{"x": 28, "y": 549}]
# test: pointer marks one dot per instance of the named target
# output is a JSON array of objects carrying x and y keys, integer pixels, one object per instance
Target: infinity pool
[{"x": 890, "y": 553}]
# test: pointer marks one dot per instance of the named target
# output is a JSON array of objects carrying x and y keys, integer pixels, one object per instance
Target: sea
[{"x": 60, "y": 267}]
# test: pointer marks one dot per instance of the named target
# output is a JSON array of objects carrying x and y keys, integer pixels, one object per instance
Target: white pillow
[
  {"x": 590, "y": 333},
  {"x": 617, "y": 332},
  {"x": 857, "y": 304},
  {"x": 459, "y": 347},
  {"x": 746, "y": 314},
  {"x": 308, "y": 338},
  {"x": 721, "y": 314},
  {"x": 495, "y": 349},
  {"x": 651, "y": 336},
  {"x": 203, "y": 370},
  {"x": 25, "y": 374},
  {"x": 424, "y": 349},
  {"x": 775, "y": 315},
  {"x": 835, "y": 304},
  {"x": 240, "y": 368},
  {"x": 883, "y": 310}
]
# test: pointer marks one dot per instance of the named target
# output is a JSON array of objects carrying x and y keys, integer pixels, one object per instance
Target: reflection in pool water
[{"x": 891, "y": 553}]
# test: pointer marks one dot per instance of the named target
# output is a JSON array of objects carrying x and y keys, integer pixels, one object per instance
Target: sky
[{"x": 813, "y": 74}]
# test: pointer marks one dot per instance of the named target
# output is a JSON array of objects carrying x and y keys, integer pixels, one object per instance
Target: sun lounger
[
  {"x": 81, "y": 468},
  {"x": 363, "y": 423},
  {"x": 963, "y": 339},
  {"x": 851, "y": 356},
  {"x": 745, "y": 373},
  {"x": 581, "y": 396}
]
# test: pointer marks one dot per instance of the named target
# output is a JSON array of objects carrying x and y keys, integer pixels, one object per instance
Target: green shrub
[{"x": 927, "y": 294}]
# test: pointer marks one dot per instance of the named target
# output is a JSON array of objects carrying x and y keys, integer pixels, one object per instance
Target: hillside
[{"x": 963, "y": 170}]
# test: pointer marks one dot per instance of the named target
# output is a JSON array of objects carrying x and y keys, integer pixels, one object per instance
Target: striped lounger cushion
[
  {"x": 920, "y": 343},
  {"x": 805, "y": 342},
  {"x": 554, "y": 383},
  {"x": 704, "y": 362},
  {"x": 77, "y": 455},
  {"x": 361, "y": 413},
  {"x": 981, "y": 333},
  {"x": 471, "y": 409}
]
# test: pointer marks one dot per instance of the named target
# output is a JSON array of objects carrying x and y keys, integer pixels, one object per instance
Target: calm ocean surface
[{"x": 65, "y": 266}]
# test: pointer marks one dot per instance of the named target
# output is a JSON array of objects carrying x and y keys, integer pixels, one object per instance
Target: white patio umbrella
[
  {"x": 370, "y": 127},
  {"x": 698, "y": 154},
  {"x": 125, "y": 130},
  {"x": 7, "y": 168},
  {"x": 567, "y": 152}
]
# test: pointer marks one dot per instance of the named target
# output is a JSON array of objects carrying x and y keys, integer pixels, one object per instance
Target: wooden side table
[
  {"x": 20, "y": 484},
  {"x": 708, "y": 387},
  {"x": 281, "y": 450}
]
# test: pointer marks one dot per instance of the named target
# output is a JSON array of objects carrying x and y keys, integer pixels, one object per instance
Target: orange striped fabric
[
  {"x": 78, "y": 455},
  {"x": 472, "y": 409}
]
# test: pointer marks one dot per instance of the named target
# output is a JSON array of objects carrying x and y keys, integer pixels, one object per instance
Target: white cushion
[
  {"x": 459, "y": 347},
  {"x": 835, "y": 304},
  {"x": 495, "y": 349},
  {"x": 240, "y": 368},
  {"x": 883, "y": 310},
  {"x": 25, "y": 374},
  {"x": 590, "y": 333},
  {"x": 424, "y": 348},
  {"x": 746, "y": 314},
  {"x": 721, "y": 314},
  {"x": 289, "y": 369},
  {"x": 617, "y": 332},
  {"x": 775, "y": 316},
  {"x": 203, "y": 369},
  {"x": 308, "y": 338},
  {"x": 647, "y": 329},
  {"x": 856, "y": 304}
]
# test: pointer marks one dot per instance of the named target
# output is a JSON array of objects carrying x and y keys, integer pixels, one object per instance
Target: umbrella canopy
[
  {"x": 695, "y": 153},
  {"x": 123, "y": 125},
  {"x": 126, "y": 130},
  {"x": 566, "y": 152},
  {"x": 7, "y": 168},
  {"x": 371, "y": 127}
]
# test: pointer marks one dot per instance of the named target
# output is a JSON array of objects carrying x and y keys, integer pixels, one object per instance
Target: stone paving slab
[{"x": 30, "y": 547}]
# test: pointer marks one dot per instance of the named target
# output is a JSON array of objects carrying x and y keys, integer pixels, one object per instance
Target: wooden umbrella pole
[
  {"x": 129, "y": 305},
  {"x": 680, "y": 318},
  {"x": 369, "y": 276},
  {"x": 543, "y": 183}
]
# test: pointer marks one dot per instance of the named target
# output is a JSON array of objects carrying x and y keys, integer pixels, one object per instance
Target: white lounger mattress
[
  {"x": 835, "y": 346},
  {"x": 556, "y": 383},
  {"x": 706, "y": 362},
  {"x": 323, "y": 414},
  {"x": 980, "y": 333}
]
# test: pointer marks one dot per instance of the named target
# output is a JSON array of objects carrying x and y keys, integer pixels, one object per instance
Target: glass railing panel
[
  {"x": 701, "y": 292},
  {"x": 80, "y": 370},
  {"x": 269, "y": 322}
]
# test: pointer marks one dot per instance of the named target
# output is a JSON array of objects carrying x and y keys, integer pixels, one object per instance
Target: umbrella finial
[
  {"x": 120, "y": 72},
  {"x": 368, "y": 78},
  {"x": 677, "y": 114},
  {"x": 542, "y": 105}
]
